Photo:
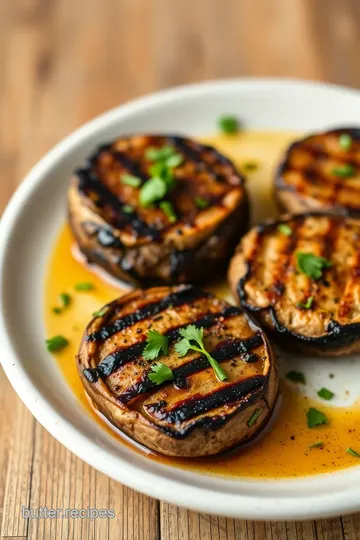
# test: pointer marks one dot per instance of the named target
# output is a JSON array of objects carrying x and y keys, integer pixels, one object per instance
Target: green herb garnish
[
  {"x": 155, "y": 343},
  {"x": 84, "y": 286},
  {"x": 315, "y": 418},
  {"x": 56, "y": 343},
  {"x": 228, "y": 124},
  {"x": 311, "y": 265},
  {"x": 100, "y": 313},
  {"x": 285, "y": 229},
  {"x": 160, "y": 373},
  {"x": 201, "y": 202},
  {"x": 168, "y": 209},
  {"x": 162, "y": 180},
  {"x": 254, "y": 417},
  {"x": 325, "y": 393},
  {"x": 127, "y": 208},
  {"x": 307, "y": 304},
  {"x": 65, "y": 300},
  {"x": 153, "y": 190},
  {"x": 319, "y": 444},
  {"x": 344, "y": 171},
  {"x": 352, "y": 452},
  {"x": 191, "y": 334},
  {"x": 296, "y": 377},
  {"x": 345, "y": 141},
  {"x": 130, "y": 180},
  {"x": 250, "y": 166}
]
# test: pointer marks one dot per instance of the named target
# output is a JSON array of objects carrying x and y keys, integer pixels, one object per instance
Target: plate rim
[{"x": 237, "y": 505}]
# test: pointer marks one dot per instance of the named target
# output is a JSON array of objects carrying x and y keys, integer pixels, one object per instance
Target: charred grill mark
[
  {"x": 186, "y": 295},
  {"x": 197, "y": 405},
  {"x": 337, "y": 335},
  {"x": 132, "y": 166},
  {"x": 122, "y": 356},
  {"x": 281, "y": 270},
  {"x": 89, "y": 181},
  {"x": 347, "y": 300},
  {"x": 223, "y": 352}
]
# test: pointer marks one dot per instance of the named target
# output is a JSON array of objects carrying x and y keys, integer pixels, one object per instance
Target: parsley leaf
[
  {"x": 65, "y": 300},
  {"x": 153, "y": 190},
  {"x": 190, "y": 334},
  {"x": 307, "y": 304},
  {"x": 56, "y": 343},
  {"x": 100, "y": 313},
  {"x": 229, "y": 124},
  {"x": 345, "y": 141},
  {"x": 296, "y": 377},
  {"x": 160, "y": 373},
  {"x": 159, "y": 154},
  {"x": 325, "y": 393},
  {"x": 130, "y": 180},
  {"x": 156, "y": 343},
  {"x": 352, "y": 452},
  {"x": 254, "y": 417},
  {"x": 201, "y": 202},
  {"x": 168, "y": 209},
  {"x": 84, "y": 286},
  {"x": 127, "y": 208},
  {"x": 312, "y": 265},
  {"x": 344, "y": 171},
  {"x": 285, "y": 229},
  {"x": 315, "y": 418},
  {"x": 319, "y": 444}
]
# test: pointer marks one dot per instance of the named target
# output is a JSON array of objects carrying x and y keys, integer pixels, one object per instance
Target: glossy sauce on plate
[{"x": 282, "y": 450}]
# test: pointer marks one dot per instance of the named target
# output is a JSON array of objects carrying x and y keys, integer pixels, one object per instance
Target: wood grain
[{"x": 63, "y": 62}]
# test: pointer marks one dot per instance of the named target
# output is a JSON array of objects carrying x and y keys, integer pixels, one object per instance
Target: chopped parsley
[
  {"x": 191, "y": 334},
  {"x": 100, "y": 313},
  {"x": 84, "y": 286},
  {"x": 352, "y": 452},
  {"x": 285, "y": 229},
  {"x": 319, "y": 444},
  {"x": 160, "y": 373},
  {"x": 325, "y": 393},
  {"x": 130, "y": 180},
  {"x": 344, "y": 171},
  {"x": 164, "y": 160},
  {"x": 155, "y": 344},
  {"x": 250, "y": 166},
  {"x": 56, "y": 343},
  {"x": 127, "y": 208},
  {"x": 307, "y": 304},
  {"x": 153, "y": 190},
  {"x": 296, "y": 377},
  {"x": 229, "y": 124},
  {"x": 315, "y": 418},
  {"x": 201, "y": 202},
  {"x": 254, "y": 417},
  {"x": 345, "y": 141},
  {"x": 312, "y": 265},
  {"x": 168, "y": 209},
  {"x": 65, "y": 300}
]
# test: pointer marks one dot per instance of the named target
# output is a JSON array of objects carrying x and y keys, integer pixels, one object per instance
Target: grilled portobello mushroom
[
  {"x": 321, "y": 172},
  {"x": 300, "y": 278},
  {"x": 194, "y": 414},
  {"x": 188, "y": 235}
]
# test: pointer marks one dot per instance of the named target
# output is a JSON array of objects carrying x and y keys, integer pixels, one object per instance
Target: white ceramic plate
[{"x": 27, "y": 233}]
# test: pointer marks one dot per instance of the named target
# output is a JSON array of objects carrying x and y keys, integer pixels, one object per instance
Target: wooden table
[{"x": 63, "y": 62}]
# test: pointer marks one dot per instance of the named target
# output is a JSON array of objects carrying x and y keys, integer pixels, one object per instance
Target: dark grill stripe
[
  {"x": 122, "y": 356},
  {"x": 198, "y": 405},
  {"x": 222, "y": 353},
  {"x": 89, "y": 180},
  {"x": 132, "y": 166},
  {"x": 186, "y": 295}
]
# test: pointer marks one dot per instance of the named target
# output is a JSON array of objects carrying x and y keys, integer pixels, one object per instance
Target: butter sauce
[{"x": 282, "y": 450}]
